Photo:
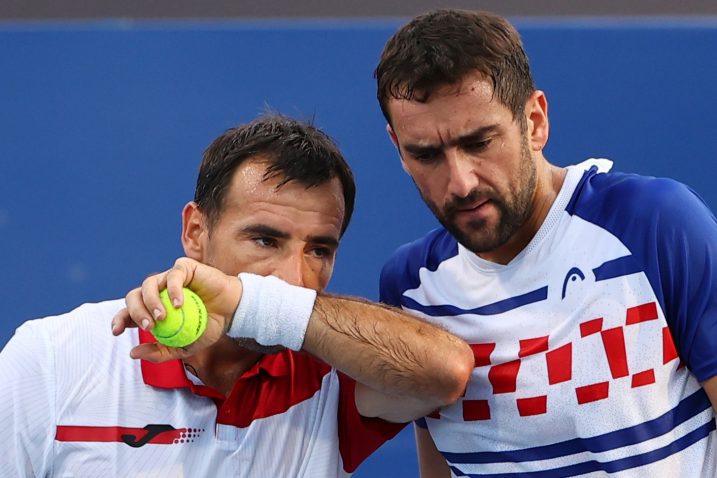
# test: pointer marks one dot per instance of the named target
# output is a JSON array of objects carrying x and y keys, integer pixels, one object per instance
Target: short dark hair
[
  {"x": 441, "y": 47},
  {"x": 293, "y": 150}
]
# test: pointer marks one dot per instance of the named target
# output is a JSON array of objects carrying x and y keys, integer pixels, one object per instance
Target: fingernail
[
  {"x": 156, "y": 313},
  {"x": 114, "y": 325},
  {"x": 175, "y": 303},
  {"x": 145, "y": 324}
]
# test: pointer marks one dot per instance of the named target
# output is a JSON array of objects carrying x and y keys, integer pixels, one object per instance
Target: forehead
[
  {"x": 450, "y": 109},
  {"x": 250, "y": 198}
]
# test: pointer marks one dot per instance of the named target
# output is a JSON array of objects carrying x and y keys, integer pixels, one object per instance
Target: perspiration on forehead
[{"x": 251, "y": 186}]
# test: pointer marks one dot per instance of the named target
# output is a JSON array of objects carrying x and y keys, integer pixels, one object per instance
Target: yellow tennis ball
[{"x": 183, "y": 326}]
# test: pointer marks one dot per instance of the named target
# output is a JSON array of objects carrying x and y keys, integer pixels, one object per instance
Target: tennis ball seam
[{"x": 177, "y": 330}]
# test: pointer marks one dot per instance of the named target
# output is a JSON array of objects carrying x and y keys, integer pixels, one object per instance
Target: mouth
[{"x": 474, "y": 207}]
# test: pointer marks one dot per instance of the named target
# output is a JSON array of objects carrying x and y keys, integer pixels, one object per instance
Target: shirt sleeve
[
  {"x": 687, "y": 258},
  {"x": 672, "y": 235},
  {"x": 359, "y": 436},
  {"x": 27, "y": 398}
]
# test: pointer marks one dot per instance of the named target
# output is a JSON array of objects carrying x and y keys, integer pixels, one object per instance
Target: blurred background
[{"x": 106, "y": 108}]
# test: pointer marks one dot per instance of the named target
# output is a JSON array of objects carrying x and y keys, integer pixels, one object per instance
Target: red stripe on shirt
[{"x": 71, "y": 433}]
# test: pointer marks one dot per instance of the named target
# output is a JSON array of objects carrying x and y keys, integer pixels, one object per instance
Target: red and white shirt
[{"x": 75, "y": 405}]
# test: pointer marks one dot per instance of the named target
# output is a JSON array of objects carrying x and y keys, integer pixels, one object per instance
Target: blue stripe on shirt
[
  {"x": 687, "y": 408},
  {"x": 491, "y": 309}
]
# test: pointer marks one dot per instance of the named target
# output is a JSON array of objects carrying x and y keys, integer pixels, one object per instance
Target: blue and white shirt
[{"x": 589, "y": 345}]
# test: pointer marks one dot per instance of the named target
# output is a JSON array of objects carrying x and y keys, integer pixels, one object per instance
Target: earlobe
[
  {"x": 194, "y": 231},
  {"x": 536, "y": 111}
]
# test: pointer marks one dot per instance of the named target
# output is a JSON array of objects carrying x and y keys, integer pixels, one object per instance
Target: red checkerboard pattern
[{"x": 503, "y": 377}]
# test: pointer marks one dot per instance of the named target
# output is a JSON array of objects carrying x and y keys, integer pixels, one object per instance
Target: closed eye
[
  {"x": 477, "y": 146},
  {"x": 423, "y": 154},
  {"x": 427, "y": 157}
]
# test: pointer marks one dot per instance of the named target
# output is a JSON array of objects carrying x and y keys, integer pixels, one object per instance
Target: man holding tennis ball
[
  {"x": 261, "y": 374},
  {"x": 184, "y": 325}
]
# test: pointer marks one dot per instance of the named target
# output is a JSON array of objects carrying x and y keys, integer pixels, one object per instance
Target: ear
[
  {"x": 195, "y": 231},
  {"x": 394, "y": 140},
  {"x": 392, "y": 135},
  {"x": 536, "y": 113}
]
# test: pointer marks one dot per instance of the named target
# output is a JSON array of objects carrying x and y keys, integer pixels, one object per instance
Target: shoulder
[
  {"x": 401, "y": 271},
  {"x": 71, "y": 338},
  {"x": 619, "y": 201},
  {"x": 90, "y": 316},
  {"x": 630, "y": 193}
]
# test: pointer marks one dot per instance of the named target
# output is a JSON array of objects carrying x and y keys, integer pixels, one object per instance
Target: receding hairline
[{"x": 265, "y": 159}]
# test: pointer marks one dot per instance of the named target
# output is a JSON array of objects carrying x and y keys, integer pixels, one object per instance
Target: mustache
[{"x": 472, "y": 197}]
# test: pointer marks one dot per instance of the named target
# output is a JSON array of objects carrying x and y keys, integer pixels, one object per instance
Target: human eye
[
  {"x": 426, "y": 156},
  {"x": 477, "y": 146},
  {"x": 321, "y": 252},
  {"x": 264, "y": 241}
]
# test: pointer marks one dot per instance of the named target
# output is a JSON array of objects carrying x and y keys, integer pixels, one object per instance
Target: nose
[
  {"x": 293, "y": 269},
  {"x": 462, "y": 174}
]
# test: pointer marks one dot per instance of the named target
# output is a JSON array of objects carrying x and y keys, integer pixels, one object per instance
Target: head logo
[{"x": 572, "y": 275}]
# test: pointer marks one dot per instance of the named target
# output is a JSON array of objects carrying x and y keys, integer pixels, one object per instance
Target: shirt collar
[{"x": 171, "y": 374}]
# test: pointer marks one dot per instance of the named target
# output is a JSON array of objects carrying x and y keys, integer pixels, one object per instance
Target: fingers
[
  {"x": 157, "y": 353},
  {"x": 179, "y": 276},
  {"x": 146, "y": 306},
  {"x": 137, "y": 311},
  {"x": 143, "y": 305},
  {"x": 121, "y": 321},
  {"x": 174, "y": 280}
]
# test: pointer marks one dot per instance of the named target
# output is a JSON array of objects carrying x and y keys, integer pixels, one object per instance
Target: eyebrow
[
  {"x": 475, "y": 135},
  {"x": 264, "y": 230}
]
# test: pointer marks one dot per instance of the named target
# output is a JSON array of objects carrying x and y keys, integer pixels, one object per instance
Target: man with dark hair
[
  {"x": 588, "y": 296},
  {"x": 259, "y": 395}
]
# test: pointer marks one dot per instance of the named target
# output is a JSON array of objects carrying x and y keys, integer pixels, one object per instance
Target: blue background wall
[{"x": 102, "y": 126}]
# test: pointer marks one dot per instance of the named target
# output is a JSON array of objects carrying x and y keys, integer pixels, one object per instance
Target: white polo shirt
[{"x": 75, "y": 405}]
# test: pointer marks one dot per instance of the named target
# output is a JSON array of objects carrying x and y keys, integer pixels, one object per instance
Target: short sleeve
[
  {"x": 27, "y": 398},
  {"x": 359, "y": 436},
  {"x": 687, "y": 258},
  {"x": 672, "y": 235}
]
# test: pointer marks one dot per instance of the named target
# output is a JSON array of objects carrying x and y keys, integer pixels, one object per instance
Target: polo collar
[{"x": 171, "y": 374}]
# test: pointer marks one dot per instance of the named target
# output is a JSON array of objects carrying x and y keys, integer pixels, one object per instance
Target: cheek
[
  {"x": 320, "y": 274},
  {"x": 433, "y": 189},
  {"x": 233, "y": 259}
]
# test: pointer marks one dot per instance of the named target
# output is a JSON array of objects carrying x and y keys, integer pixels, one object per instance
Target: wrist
[
  {"x": 234, "y": 294},
  {"x": 271, "y": 311}
]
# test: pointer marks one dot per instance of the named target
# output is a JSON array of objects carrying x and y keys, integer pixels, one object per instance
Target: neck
[
  {"x": 222, "y": 364},
  {"x": 549, "y": 180}
]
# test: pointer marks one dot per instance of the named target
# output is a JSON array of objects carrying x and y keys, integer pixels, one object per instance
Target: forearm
[{"x": 388, "y": 350}]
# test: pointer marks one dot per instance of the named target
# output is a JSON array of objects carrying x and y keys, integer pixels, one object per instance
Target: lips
[{"x": 474, "y": 206}]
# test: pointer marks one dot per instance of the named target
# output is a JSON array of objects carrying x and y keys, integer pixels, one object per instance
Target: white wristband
[{"x": 272, "y": 312}]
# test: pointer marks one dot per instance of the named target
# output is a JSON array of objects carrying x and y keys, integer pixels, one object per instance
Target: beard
[{"x": 513, "y": 209}]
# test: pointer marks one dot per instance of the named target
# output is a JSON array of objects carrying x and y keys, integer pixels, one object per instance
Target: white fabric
[
  {"x": 69, "y": 370},
  {"x": 272, "y": 312}
]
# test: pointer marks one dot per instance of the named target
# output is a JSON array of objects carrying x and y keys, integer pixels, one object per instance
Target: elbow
[{"x": 457, "y": 373}]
